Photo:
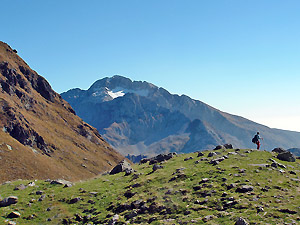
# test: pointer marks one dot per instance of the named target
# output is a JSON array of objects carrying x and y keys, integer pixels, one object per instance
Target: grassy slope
[
  {"x": 178, "y": 197},
  {"x": 58, "y": 127}
]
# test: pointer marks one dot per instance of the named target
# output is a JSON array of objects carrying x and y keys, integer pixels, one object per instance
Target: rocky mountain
[
  {"x": 140, "y": 118},
  {"x": 40, "y": 134},
  {"x": 295, "y": 151}
]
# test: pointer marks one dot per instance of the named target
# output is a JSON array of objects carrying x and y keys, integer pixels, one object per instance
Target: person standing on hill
[{"x": 256, "y": 140}]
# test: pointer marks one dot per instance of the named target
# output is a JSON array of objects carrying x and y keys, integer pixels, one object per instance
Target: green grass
[{"x": 273, "y": 191}]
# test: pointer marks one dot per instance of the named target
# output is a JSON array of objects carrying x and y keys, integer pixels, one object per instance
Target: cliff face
[{"x": 40, "y": 134}]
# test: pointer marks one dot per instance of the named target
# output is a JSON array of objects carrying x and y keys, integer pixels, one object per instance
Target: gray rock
[
  {"x": 189, "y": 158},
  {"x": 279, "y": 150},
  {"x": 39, "y": 192},
  {"x": 219, "y": 147},
  {"x": 31, "y": 184},
  {"x": 217, "y": 161},
  {"x": 114, "y": 219},
  {"x": 211, "y": 154},
  {"x": 200, "y": 154},
  {"x": 228, "y": 146},
  {"x": 20, "y": 187},
  {"x": 208, "y": 218},
  {"x": 60, "y": 182},
  {"x": 8, "y": 201},
  {"x": 156, "y": 167},
  {"x": 14, "y": 214},
  {"x": 241, "y": 221},
  {"x": 286, "y": 156},
  {"x": 129, "y": 171},
  {"x": 74, "y": 200},
  {"x": 121, "y": 167},
  {"x": 244, "y": 189}
]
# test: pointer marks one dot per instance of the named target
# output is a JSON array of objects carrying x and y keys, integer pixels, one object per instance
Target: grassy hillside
[
  {"x": 178, "y": 193},
  {"x": 40, "y": 135}
]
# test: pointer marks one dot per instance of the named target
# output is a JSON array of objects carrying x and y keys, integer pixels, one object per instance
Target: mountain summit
[
  {"x": 41, "y": 137},
  {"x": 140, "y": 118}
]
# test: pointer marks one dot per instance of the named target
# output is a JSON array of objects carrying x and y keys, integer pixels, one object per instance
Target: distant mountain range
[
  {"x": 140, "y": 118},
  {"x": 40, "y": 134}
]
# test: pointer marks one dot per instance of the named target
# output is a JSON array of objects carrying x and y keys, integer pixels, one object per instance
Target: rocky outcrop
[
  {"x": 121, "y": 167},
  {"x": 286, "y": 156},
  {"x": 8, "y": 201}
]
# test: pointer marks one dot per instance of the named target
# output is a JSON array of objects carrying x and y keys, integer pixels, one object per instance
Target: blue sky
[{"x": 242, "y": 57}]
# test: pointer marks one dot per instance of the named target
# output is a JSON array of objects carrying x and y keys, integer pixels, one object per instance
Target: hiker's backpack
[{"x": 254, "y": 140}]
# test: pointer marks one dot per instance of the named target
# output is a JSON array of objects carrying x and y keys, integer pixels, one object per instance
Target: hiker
[{"x": 256, "y": 140}]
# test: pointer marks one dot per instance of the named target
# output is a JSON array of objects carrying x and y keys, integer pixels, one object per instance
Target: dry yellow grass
[{"x": 76, "y": 150}]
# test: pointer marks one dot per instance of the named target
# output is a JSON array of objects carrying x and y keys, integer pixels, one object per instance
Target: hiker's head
[{"x": 257, "y": 132}]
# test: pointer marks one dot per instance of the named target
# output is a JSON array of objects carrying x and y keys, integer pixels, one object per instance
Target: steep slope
[
  {"x": 196, "y": 122},
  {"x": 41, "y": 137}
]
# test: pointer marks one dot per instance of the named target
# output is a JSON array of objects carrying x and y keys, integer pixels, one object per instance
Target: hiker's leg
[{"x": 258, "y": 145}]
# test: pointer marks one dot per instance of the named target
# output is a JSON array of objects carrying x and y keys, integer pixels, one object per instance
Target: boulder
[
  {"x": 20, "y": 187},
  {"x": 278, "y": 150},
  {"x": 211, "y": 154},
  {"x": 200, "y": 154},
  {"x": 121, "y": 167},
  {"x": 159, "y": 158},
  {"x": 286, "y": 156},
  {"x": 74, "y": 200},
  {"x": 60, "y": 182},
  {"x": 156, "y": 167},
  {"x": 228, "y": 146},
  {"x": 241, "y": 221},
  {"x": 8, "y": 201},
  {"x": 244, "y": 189},
  {"x": 219, "y": 147},
  {"x": 189, "y": 158},
  {"x": 14, "y": 214}
]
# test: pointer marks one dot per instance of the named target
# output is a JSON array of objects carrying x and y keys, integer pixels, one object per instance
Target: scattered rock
[
  {"x": 156, "y": 167},
  {"x": 286, "y": 156},
  {"x": 211, "y": 154},
  {"x": 20, "y": 187},
  {"x": 14, "y": 214},
  {"x": 129, "y": 194},
  {"x": 208, "y": 218},
  {"x": 39, "y": 192},
  {"x": 121, "y": 167},
  {"x": 244, "y": 189},
  {"x": 159, "y": 158},
  {"x": 189, "y": 158},
  {"x": 241, "y": 221},
  {"x": 204, "y": 180},
  {"x": 31, "y": 184},
  {"x": 279, "y": 150},
  {"x": 74, "y": 200},
  {"x": 128, "y": 171},
  {"x": 259, "y": 209},
  {"x": 8, "y": 201},
  {"x": 228, "y": 146},
  {"x": 60, "y": 182},
  {"x": 200, "y": 154},
  {"x": 217, "y": 161},
  {"x": 68, "y": 185},
  {"x": 287, "y": 211},
  {"x": 114, "y": 219},
  {"x": 219, "y": 147},
  {"x": 42, "y": 198}
]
